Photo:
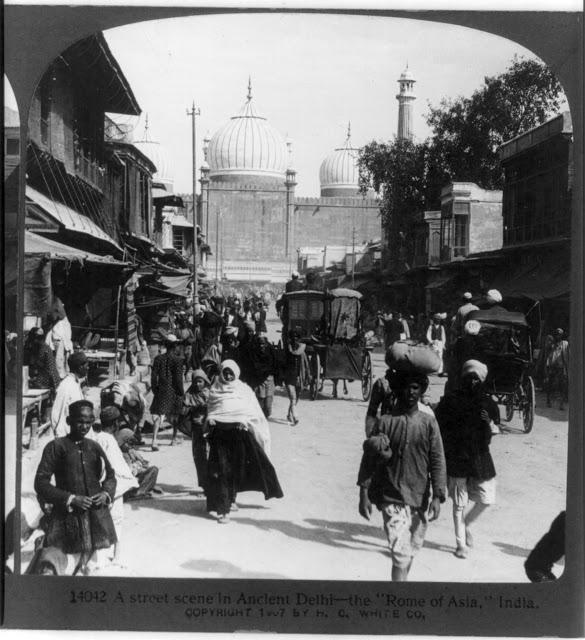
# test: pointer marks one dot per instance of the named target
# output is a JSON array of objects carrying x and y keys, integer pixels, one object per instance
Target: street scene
[
  {"x": 294, "y": 345},
  {"x": 315, "y": 530}
]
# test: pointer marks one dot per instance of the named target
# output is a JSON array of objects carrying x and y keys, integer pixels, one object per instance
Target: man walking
[
  {"x": 402, "y": 461},
  {"x": 466, "y": 417}
]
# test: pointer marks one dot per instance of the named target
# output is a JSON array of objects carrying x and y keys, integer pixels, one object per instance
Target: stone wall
[
  {"x": 485, "y": 226},
  {"x": 330, "y": 221}
]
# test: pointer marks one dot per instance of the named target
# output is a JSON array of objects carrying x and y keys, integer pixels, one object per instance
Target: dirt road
[{"x": 315, "y": 531}]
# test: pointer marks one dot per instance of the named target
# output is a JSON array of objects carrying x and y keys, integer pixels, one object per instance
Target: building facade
[{"x": 253, "y": 222}]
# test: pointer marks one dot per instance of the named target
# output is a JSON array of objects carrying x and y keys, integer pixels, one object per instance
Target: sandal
[{"x": 223, "y": 519}]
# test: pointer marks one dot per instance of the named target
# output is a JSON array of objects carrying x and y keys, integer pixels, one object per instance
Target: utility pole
[
  {"x": 194, "y": 112},
  {"x": 216, "y": 245},
  {"x": 353, "y": 256}
]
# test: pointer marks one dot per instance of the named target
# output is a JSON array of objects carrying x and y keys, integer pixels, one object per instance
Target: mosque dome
[
  {"x": 247, "y": 146},
  {"x": 339, "y": 173},
  {"x": 155, "y": 152}
]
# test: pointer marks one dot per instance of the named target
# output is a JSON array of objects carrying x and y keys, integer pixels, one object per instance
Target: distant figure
[
  {"x": 68, "y": 391},
  {"x": 392, "y": 329},
  {"x": 59, "y": 337},
  {"x": 313, "y": 280},
  {"x": 405, "y": 332},
  {"x": 195, "y": 401},
  {"x": 557, "y": 370},
  {"x": 296, "y": 374},
  {"x": 294, "y": 284},
  {"x": 42, "y": 370},
  {"x": 437, "y": 339},
  {"x": 167, "y": 387},
  {"x": 260, "y": 319}
]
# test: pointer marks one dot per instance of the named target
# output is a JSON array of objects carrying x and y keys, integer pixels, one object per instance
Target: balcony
[{"x": 548, "y": 229}]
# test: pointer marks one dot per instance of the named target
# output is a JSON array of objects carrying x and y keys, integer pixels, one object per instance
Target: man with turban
[
  {"x": 466, "y": 417},
  {"x": 68, "y": 391},
  {"x": 403, "y": 460}
]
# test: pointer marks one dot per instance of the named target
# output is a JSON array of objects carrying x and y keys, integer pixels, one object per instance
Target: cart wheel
[
  {"x": 315, "y": 376},
  {"x": 528, "y": 404},
  {"x": 366, "y": 376},
  {"x": 510, "y": 406}
]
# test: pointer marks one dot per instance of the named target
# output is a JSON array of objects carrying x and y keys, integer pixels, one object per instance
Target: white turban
[
  {"x": 494, "y": 296},
  {"x": 477, "y": 367},
  {"x": 467, "y": 296}
]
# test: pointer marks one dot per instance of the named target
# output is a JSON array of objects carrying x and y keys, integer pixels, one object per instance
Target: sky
[{"x": 311, "y": 75}]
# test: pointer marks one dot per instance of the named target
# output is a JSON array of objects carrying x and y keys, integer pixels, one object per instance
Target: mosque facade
[{"x": 254, "y": 223}]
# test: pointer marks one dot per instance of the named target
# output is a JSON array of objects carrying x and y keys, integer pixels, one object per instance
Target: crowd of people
[{"x": 213, "y": 376}]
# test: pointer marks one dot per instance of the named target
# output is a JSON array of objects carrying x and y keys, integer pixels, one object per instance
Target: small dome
[
  {"x": 164, "y": 168},
  {"x": 406, "y": 75},
  {"x": 339, "y": 173},
  {"x": 247, "y": 146}
]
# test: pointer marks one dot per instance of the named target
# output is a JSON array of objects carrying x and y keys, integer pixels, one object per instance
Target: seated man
[
  {"x": 78, "y": 522},
  {"x": 145, "y": 474}
]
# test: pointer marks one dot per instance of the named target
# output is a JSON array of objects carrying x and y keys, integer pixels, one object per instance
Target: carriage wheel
[
  {"x": 528, "y": 404},
  {"x": 315, "y": 376},
  {"x": 366, "y": 376},
  {"x": 510, "y": 399}
]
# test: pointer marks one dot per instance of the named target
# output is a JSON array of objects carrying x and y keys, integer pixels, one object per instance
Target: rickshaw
[
  {"x": 328, "y": 322},
  {"x": 501, "y": 340}
]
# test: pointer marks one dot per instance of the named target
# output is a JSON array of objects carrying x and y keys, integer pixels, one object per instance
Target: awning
[
  {"x": 180, "y": 221},
  {"x": 546, "y": 280},
  {"x": 37, "y": 245},
  {"x": 173, "y": 285},
  {"x": 440, "y": 282},
  {"x": 72, "y": 220},
  {"x": 165, "y": 199}
]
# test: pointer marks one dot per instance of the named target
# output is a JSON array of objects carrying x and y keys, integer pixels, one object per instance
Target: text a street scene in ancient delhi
[{"x": 310, "y": 313}]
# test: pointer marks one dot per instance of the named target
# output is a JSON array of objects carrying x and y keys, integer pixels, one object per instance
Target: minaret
[{"x": 405, "y": 99}]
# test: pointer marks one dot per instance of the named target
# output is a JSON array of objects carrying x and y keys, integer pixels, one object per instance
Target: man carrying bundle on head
[{"x": 403, "y": 460}]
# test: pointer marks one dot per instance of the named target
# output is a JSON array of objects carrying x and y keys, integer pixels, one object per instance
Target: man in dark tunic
[
  {"x": 78, "y": 519},
  {"x": 466, "y": 417}
]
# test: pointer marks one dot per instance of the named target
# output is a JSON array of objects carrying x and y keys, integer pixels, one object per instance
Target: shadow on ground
[
  {"x": 512, "y": 549},
  {"x": 223, "y": 569},
  {"x": 334, "y": 534}
]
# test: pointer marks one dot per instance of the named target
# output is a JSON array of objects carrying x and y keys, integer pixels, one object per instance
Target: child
[{"x": 195, "y": 401}]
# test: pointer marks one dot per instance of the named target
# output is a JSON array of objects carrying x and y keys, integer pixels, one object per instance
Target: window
[
  {"x": 460, "y": 240},
  {"x": 12, "y": 147},
  {"x": 178, "y": 239}
]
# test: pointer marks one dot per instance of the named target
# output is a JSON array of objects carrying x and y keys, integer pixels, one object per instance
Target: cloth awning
[
  {"x": 173, "y": 285},
  {"x": 72, "y": 220},
  {"x": 440, "y": 282},
  {"x": 544, "y": 281},
  {"x": 37, "y": 245}
]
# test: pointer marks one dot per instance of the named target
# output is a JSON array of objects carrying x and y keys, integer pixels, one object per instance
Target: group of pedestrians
[
  {"x": 219, "y": 390},
  {"x": 414, "y": 458}
]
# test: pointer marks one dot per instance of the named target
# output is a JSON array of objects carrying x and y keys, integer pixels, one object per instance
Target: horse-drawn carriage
[
  {"x": 328, "y": 322},
  {"x": 501, "y": 340}
]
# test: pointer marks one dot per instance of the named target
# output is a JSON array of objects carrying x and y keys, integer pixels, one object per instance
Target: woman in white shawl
[{"x": 239, "y": 440}]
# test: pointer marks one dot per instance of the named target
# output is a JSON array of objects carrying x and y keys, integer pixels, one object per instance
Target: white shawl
[{"x": 236, "y": 402}]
